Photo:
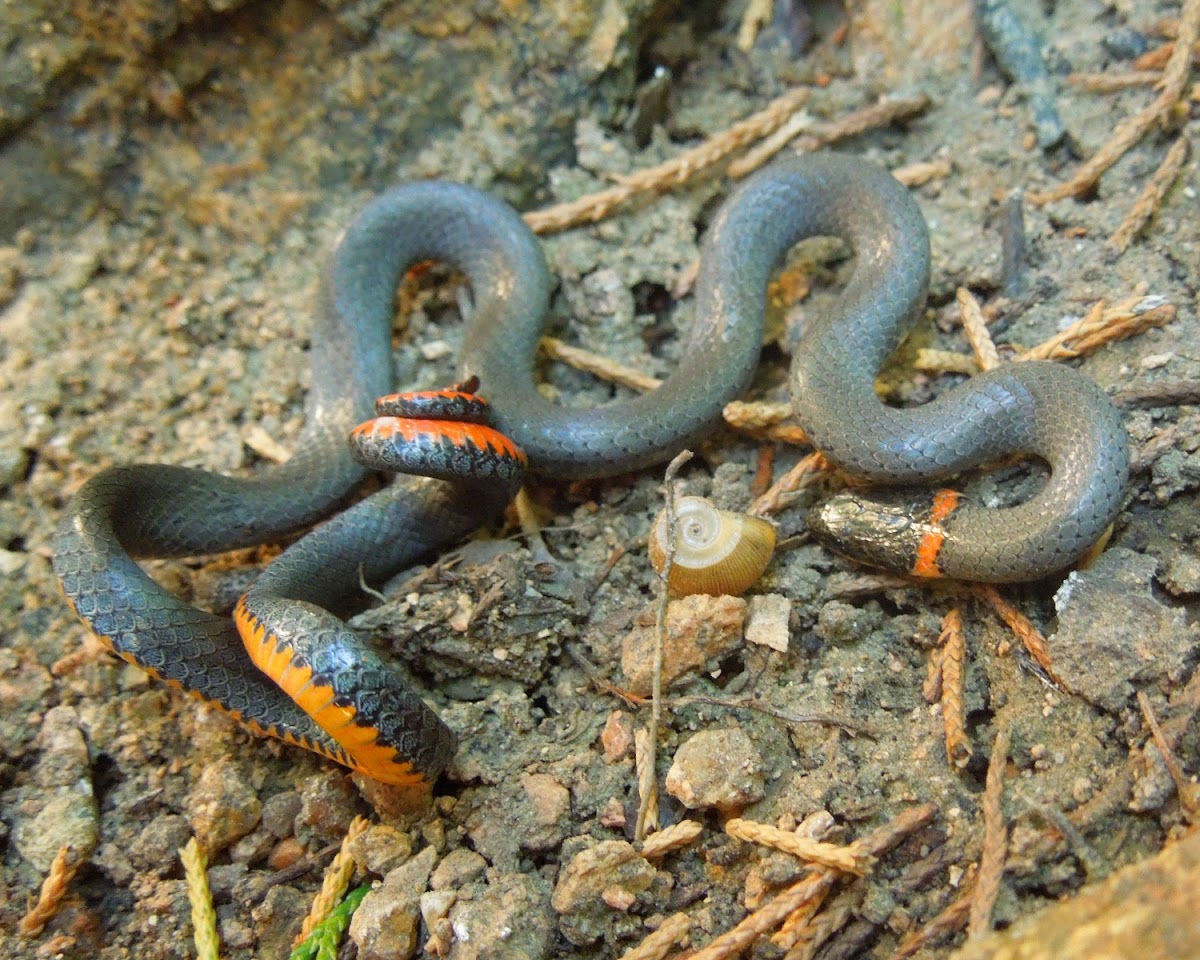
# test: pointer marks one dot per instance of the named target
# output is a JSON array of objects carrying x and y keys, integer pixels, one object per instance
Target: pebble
[
  {"x": 509, "y": 920},
  {"x": 59, "y": 808},
  {"x": 717, "y": 768},
  {"x": 617, "y": 737},
  {"x": 387, "y": 924},
  {"x": 279, "y": 917},
  {"x": 700, "y": 628},
  {"x": 767, "y": 619},
  {"x": 286, "y": 852},
  {"x": 1182, "y": 575},
  {"x": 223, "y": 806},
  {"x": 1113, "y": 630},
  {"x": 279, "y": 813},
  {"x": 157, "y": 846},
  {"x": 457, "y": 869},
  {"x": 380, "y": 849},
  {"x": 594, "y": 877},
  {"x": 844, "y": 623},
  {"x": 328, "y": 804},
  {"x": 549, "y": 812}
]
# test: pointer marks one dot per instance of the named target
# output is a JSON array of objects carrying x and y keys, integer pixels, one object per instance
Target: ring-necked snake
[{"x": 319, "y": 686}]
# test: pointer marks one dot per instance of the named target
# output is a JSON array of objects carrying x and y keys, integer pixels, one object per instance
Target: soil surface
[{"x": 172, "y": 179}]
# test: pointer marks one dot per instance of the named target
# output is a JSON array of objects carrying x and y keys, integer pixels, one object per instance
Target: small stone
[
  {"x": 253, "y": 847},
  {"x": 617, "y": 737},
  {"x": 767, "y": 621},
  {"x": 717, "y": 768},
  {"x": 224, "y": 879},
  {"x": 457, "y": 869},
  {"x": 619, "y": 898},
  {"x": 157, "y": 846},
  {"x": 279, "y": 917},
  {"x": 700, "y": 628},
  {"x": 1113, "y": 630},
  {"x": 550, "y": 799},
  {"x": 327, "y": 807},
  {"x": 612, "y": 815},
  {"x": 609, "y": 865},
  {"x": 387, "y": 924},
  {"x": 510, "y": 919},
  {"x": 287, "y": 851},
  {"x": 60, "y": 797},
  {"x": 223, "y": 806},
  {"x": 380, "y": 849},
  {"x": 844, "y": 623},
  {"x": 279, "y": 813},
  {"x": 1152, "y": 783},
  {"x": 1182, "y": 575},
  {"x": 115, "y": 862}
]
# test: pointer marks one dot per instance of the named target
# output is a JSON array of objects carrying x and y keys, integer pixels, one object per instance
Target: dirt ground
[{"x": 172, "y": 176}]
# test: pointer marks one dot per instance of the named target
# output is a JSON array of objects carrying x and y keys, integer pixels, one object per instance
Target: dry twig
[
  {"x": 953, "y": 917},
  {"x": 673, "y": 838},
  {"x": 812, "y": 851},
  {"x": 1019, "y": 624},
  {"x": 781, "y": 493},
  {"x": 804, "y": 939},
  {"x": 880, "y": 114},
  {"x": 995, "y": 842},
  {"x": 815, "y": 885},
  {"x": 1131, "y": 129},
  {"x": 50, "y": 897},
  {"x": 647, "y": 773},
  {"x": 971, "y": 315},
  {"x": 756, "y": 15},
  {"x": 336, "y": 881},
  {"x": 599, "y": 365},
  {"x": 1113, "y": 82},
  {"x": 596, "y": 206},
  {"x": 204, "y": 918},
  {"x": 1151, "y": 197},
  {"x": 657, "y": 944},
  {"x": 951, "y": 661},
  {"x": 1189, "y": 793}
]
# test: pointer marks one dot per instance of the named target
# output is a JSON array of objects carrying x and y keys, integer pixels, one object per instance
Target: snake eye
[{"x": 716, "y": 551}]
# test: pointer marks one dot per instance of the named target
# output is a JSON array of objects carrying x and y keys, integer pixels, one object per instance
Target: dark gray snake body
[{"x": 386, "y": 730}]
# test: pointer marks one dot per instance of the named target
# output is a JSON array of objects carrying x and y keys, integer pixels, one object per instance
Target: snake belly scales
[{"x": 327, "y": 691}]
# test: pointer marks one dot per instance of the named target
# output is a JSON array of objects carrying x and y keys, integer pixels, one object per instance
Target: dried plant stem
[
  {"x": 756, "y": 15},
  {"x": 657, "y": 944},
  {"x": 805, "y": 939},
  {"x": 204, "y": 918},
  {"x": 1189, "y": 793},
  {"x": 1151, "y": 197},
  {"x": 822, "y": 134},
  {"x": 599, "y": 365},
  {"x": 827, "y": 854},
  {"x": 971, "y": 315},
  {"x": 816, "y": 884},
  {"x": 1113, "y": 82},
  {"x": 596, "y": 206},
  {"x": 995, "y": 842},
  {"x": 644, "y": 760},
  {"x": 799, "y": 477},
  {"x": 660, "y": 635},
  {"x": 1019, "y": 624},
  {"x": 953, "y": 917},
  {"x": 1131, "y": 129},
  {"x": 953, "y": 640},
  {"x": 336, "y": 881},
  {"x": 674, "y": 837},
  {"x": 50, "y": 897}
]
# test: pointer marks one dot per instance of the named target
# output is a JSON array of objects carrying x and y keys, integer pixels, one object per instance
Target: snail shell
[{"x": 716, "y": 552}]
